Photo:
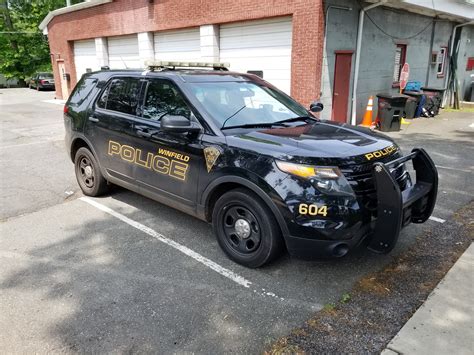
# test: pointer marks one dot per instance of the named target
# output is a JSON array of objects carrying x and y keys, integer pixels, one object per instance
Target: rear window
[
  {"x": 82, "y": 91},
  {"x": 121, "y": 96},
  {"x": 46, "y": 76}
]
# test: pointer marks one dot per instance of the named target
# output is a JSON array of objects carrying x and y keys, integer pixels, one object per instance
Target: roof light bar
[{"x": 151, "y": 64}]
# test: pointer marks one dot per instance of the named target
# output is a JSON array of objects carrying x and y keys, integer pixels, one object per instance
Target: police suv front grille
[{"x": 362, "y": 182}]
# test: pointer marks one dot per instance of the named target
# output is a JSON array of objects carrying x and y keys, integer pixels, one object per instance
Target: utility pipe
[
  {"x": 325, "y": 40},
  {"x": 357, "y": 61}
]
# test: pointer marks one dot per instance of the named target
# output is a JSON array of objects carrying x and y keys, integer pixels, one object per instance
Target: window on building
[
  {"x": 163, "y": 98},
  {"x": 122, "y": 96},
  {"x": 441, "y": 61},
  {"x": 400, "y": 56}
]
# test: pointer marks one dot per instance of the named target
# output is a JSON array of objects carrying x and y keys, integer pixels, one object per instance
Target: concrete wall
[{"x": 378, "y": 49}]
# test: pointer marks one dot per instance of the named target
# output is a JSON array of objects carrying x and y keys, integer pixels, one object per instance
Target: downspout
[
  {"x": 325, "y": 55},
  {"x": 451, "y": 50},
  {"x": 357, "y": 61}
]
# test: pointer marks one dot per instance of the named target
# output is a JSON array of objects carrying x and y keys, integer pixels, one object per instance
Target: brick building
[
  {"x": 308, "y": 48},
  {"x": 281, "y": 38}
]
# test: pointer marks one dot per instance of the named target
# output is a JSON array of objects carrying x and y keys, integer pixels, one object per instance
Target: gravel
[{"x": 367, "y": 318}]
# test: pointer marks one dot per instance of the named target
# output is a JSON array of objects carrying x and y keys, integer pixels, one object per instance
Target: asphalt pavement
[{"x": 124, "y": 273}]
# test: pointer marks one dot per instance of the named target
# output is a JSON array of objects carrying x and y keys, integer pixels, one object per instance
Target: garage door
[
  {"x": 263, "y": 45},
  {"x": 178, "y": 45},
  {"x": 85, "y": 58},
  {"x": 123, "y": 52}
]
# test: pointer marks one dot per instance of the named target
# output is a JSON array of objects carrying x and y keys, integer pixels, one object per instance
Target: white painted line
[
  {"x": 57, "y": 102},
  {"x": 183, "y": 249},
  {"x": 454, "y": 169},
  {"x": 26, "y": 144},
  {"x": 436, "y": 219}
]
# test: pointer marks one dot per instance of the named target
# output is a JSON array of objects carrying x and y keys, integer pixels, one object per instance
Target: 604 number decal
[{"x": 312, "y": 210}]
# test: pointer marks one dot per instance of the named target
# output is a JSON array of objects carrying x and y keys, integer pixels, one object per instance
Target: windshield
[{"x": 245, "y": 103}]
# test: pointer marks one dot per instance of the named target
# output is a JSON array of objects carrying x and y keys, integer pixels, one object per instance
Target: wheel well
[
  {"x": 76, "y": 145},
  {"x": 218, "y": 192}
]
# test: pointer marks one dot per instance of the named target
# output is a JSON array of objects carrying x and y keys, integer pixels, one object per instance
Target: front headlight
[{"x": 326, "y": 179}]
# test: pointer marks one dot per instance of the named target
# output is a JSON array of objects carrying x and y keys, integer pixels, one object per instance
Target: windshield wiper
[
  {"x": 299, "y": 118},
  {"x": 254, "y": 125}
]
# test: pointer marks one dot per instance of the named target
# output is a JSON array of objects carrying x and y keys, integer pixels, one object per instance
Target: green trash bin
[{"x": 391, "y": 108}]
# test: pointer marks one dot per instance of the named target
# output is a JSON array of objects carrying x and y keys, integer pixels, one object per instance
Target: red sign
[{"x": 404, "y": 76}]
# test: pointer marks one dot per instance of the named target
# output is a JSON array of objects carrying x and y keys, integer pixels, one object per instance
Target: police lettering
[
  {"x": 176, "y": 167},
  {"x": 381, "y": 153}
]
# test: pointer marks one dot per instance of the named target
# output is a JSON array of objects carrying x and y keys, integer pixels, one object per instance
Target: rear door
[
  {"x": 109, "y": 126},
  {"x": 169, "y": 163}
]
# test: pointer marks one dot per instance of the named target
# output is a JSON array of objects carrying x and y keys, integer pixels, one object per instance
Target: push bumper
[{"x": 396, "y": 208}]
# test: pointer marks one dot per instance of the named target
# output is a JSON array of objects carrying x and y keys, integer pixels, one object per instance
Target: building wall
[
  {"x": 127, "y": 16},
  {"x": 378, "y": 49},
  {"x": 466, "y": 50}
]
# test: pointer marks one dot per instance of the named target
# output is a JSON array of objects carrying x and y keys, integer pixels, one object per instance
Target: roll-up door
[
  {"x": 260, "y": 46},
  {"x": 123, "y": 52},
  {"x": 178, "y": 45},
  {"x": 85, "y": 58}
]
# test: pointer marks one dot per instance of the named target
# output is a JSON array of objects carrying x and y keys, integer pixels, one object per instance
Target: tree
[{"x": 24, "y": 49}]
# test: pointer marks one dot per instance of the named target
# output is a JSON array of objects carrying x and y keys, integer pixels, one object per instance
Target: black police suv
[{"x": 233, "y": 150}]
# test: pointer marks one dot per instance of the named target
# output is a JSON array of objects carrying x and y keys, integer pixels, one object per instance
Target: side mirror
[
  {"x": 316, "y": 106},
  {"x": 178, "y": 124}
]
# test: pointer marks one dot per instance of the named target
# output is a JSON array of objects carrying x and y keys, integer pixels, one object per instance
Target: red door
[{"x": 340, "y": 92}]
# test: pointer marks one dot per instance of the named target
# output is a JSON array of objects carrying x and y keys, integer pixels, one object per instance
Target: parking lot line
[
  {"x": 436, "y": 219},
  {"x": 454, "y": 169},
  {"x": 183, "y": 249}
]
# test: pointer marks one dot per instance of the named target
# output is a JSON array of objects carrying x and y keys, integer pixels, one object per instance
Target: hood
[{"x": 322, "y": 141}]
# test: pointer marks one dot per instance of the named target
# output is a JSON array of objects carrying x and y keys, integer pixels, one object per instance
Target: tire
[
  {"x": 246, "y": 229},
  {"x": 88, "y": 174}
]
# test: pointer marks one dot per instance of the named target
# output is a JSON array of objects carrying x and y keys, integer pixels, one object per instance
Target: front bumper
[{"x": 395, "y": 209}]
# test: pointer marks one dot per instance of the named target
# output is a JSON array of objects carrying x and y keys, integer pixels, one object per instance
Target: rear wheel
[
  {"x": 88, "y": 173},
  {"x": 246, "y": 228}
]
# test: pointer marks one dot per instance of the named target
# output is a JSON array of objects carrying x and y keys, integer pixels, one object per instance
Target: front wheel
[
  {"x": 88, "y": 174},
  {"x": 246, "y": 228}
]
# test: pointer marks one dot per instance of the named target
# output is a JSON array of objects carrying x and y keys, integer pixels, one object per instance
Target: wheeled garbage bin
[
  {"x": 391, "y": 109},
  {"x": 419, "y": 99},
  {"x": 434, "y": 98}
]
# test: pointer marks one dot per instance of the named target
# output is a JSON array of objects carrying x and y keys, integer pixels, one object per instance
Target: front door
[
  {"x": 342, "y": 77},
  {"x": 63, "y": 80},
  {"x": 169, "y": 162}
]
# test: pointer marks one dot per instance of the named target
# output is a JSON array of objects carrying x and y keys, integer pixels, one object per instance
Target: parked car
[
  {"x": 233, "y": 150},
  {"x": 41, "y": 81}
]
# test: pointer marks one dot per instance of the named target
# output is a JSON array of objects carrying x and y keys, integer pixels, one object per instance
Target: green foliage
[
  {"x": 346, "y": 297},
  {"x": 26, "y": 50}
]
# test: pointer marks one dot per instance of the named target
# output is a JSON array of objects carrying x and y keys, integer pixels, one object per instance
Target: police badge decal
[{"x": 211, "y": 154}]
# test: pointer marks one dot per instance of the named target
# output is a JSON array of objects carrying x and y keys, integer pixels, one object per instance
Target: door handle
[
  {"x": 143, "y": 134},
  {"x": 93, "y": 119}
]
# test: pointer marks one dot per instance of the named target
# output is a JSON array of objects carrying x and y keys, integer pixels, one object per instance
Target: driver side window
[{"x": 163, "y": 98}]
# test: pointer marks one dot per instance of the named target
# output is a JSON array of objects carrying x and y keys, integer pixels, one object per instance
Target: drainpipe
[
  {"x": 357, "y": 61},
  {"x": 325, "y": 55},
  {"x": 451, "y": 49}
]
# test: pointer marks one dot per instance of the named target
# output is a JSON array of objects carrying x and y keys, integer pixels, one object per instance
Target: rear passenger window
[
  {"x": 121, "y": 96},
  {"x": 82, "y": 91},
  {"x": 163, "y": 98}
]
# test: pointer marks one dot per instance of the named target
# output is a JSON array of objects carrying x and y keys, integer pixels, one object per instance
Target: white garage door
[
  {"x": 263, "y": 45},
  {"x": 123, "y": 52},
  {"x": 178, "y": 45},
  {"x": 85, "y": 57}
]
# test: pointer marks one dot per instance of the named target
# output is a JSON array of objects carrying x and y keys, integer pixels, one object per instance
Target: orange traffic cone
[{"x": 367, "y": 121}]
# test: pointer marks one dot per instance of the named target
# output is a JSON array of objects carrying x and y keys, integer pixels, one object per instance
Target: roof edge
[{"x": 64, "y": 10}]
